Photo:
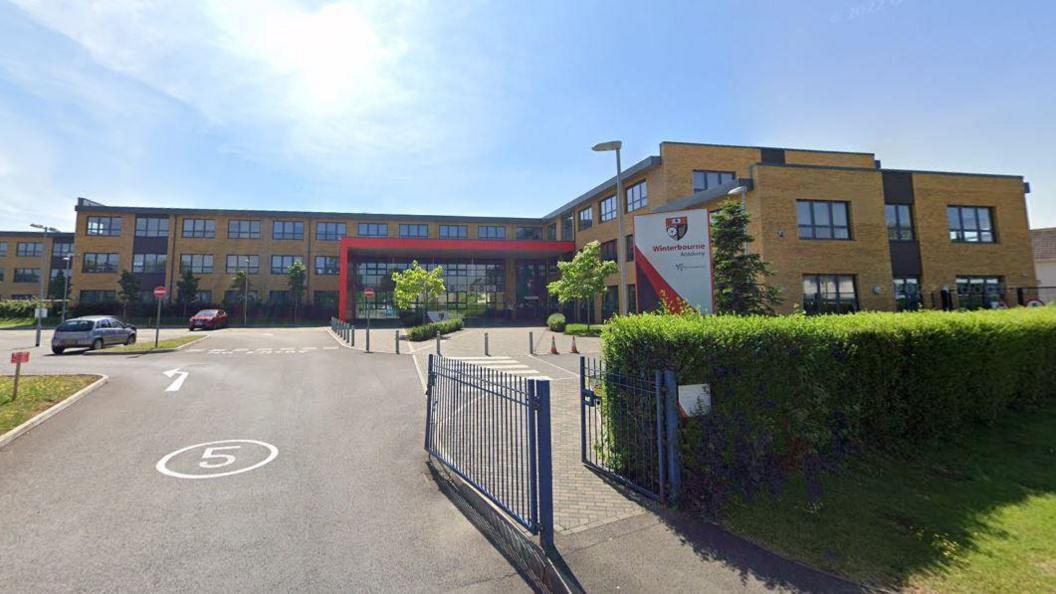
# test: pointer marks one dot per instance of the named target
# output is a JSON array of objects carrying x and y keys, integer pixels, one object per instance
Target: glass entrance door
[{"x": 530, "y": 279}]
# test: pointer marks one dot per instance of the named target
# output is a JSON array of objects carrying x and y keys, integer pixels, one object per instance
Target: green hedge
[
  {"x": 427, "y": 331},
  {"x": 584, "y": 329},
  {"x": 800, "y": 393},
  {"x": 556, "y": 322},
  {"x": 11, "y": 309}
]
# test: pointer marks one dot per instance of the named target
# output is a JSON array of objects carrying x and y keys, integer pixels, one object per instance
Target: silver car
[{"x": 94, "y": 332}]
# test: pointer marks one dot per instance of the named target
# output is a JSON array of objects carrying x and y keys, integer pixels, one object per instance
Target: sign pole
[
  {"x": 18, "y": 372},
  {"x": 159, "y": 294}
]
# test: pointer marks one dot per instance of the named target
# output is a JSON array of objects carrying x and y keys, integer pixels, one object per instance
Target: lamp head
[{"x": 612, "y": 145}]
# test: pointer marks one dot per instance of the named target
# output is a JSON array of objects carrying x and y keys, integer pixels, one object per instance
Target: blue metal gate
[
  {"x": 493, "y": 430},
  {"x": 629, "y": 428}
]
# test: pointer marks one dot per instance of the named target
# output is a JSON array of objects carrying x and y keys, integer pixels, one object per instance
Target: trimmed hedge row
[
  {"x": 427, "y": 331},
  {"x": 800, "y": 393},
  {"x": 12, "y": 309}
]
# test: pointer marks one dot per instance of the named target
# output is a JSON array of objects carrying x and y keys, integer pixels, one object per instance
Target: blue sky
[{"x": 491, "y": 108}]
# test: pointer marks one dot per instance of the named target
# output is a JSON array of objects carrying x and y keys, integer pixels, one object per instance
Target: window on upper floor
[
  {"x": 243, "y": 229},
  {"x": 373, "y": 230},
  {"x": 287, "y": 230},
  {"x": 26, "y": 275},
  {"x": 103, "y": 226},
  {"x": 529, "y": 233},
  {"x": 454, "y": 231},
  {"x": 607, "y": 209},
  {"x": 971, "y": 224},
  {"x": 327, "y": 265},
  {"x": 637, "y": 197},
  {"x": 152, "y": 226},
  {"x": 899, "y": 222},
  {"x": 149, "y": 263},
  {"x": 704, "y": 179},
  {"x": 281, "y": 264},
  {"x": 823, "y": 219},
  {"x": 551, "y": 232},
  {"x": 99, "y": 262},
  {"x": 568, "y": 231},
  {"x": 586, "y": 218},
  {"x": 414, "y": 230},
  {"x": 29, "y": 249},
  {"x": 491, "y": 232},
  {"x": 628, "y": 253},
  {"x": 330, "y": 231},
  {"x": 3, "y": 249},
  {"x": 196, "y": 263},
  {"x": 60, "y": 249},
  {"x": 199, "y": 228},
  {"x": 250, "y": 264},
  {"x": 608, "y": 250}
]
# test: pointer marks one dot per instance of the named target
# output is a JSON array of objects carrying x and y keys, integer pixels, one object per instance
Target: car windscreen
[
  {"x": 206, "y": 313},
  {"x": 75, "y": 326}
]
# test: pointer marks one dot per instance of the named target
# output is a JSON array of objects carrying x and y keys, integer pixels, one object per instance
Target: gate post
[
  {"x": 545, "y": 469},
  {"x": 658, "y": 394},
  {"x": 674, "y": 462},
  {"x": 428, "y": 403},
  {"x": 583, "y": 409}
]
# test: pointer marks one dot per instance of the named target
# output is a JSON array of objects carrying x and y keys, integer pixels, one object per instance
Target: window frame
[
  {"x": 706, "y": 172},
  {"x": 139, "y": 262},
  {"x": 832, "y": 227},
  {"x": 959, "y": 235},
  {"x": 296, "y": 232},
  {"x": 444, "y": 231},
  {"x": 902, "y": 297},
  {"x": 420, "y": 230},
  {"x": 528, "y": 233},
  {"x": 235, "y": 229},
  {"x": 325, "y": 270},
  {"x": 607, "y": 209},
  {"x": 896, "y": 226},
  {"x": 152, "y": 226},
  {"x": 491, "y": 232},
  {"x": 330, "y": 230},
  {"x": 95, "y": 260},
  {"x": 584, "y": 223},
  {"x": 109, "y": 230},
  {"x": 819, "y": 304},
  {"x": 19, "y": 274},
  {"x": 284, "y": 269},
  {"x": 250, "y": 268},
  {"x": 36, "y": 252},
  {"x": 381, "y": 228},
  {"x": 641, "y": 199},
  {"x": 204, "y": 232},
  {"x": 202, "y": 267}
]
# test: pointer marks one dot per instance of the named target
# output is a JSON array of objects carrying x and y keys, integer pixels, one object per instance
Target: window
[
  {"x": 108, "y": 226},
  {"x": 610, "y": 304},
  {"x": 235, "y": 295},
  {"x": 704, "y": 179},
  {"x": 279, "y": 297},
  {"x": 637, "y": 197},
  {"x": 287, "y": 230},
  {"x": 196, "y": 263},
  {"x": 152, "y": 226},
  {"x": 414, "y": 230},
  {"x": 149, "y": 263},
  {"x": 243, "y": 229},
  {"x": 907, "y": 293},
  {"x": 586, "y": 218},
  {"x": 373, "y": 230},
  {"x": 829, "y": 293},
  {"x": 821, "y": 219},
  {"x": 281, "y": 264},
  {"x": 3, "y": 249},
  {"x": 330, "y": 231},
  {"x": 199, "y": 228},
  {"x": 29, "y": 249},
  {"x": 454, "y": 231},
  {"x": 632, "y": 299},
  {"x": 607, "y": 209},
  {"x": 628, "y": 251},
  {"x": 551, "y": 232},
  {"x": 608, "y": 250},
  {"x": 974, "y": 292},
  {"x": 94, "y": 262},
  {"x": 243, "y": 263},
  {"x": 88, "y": 296},
  {"x": 59, "y": 250},
  {"x": 203, "y": 297},
  {"x": 491, "y": 232},
  {"x": 26, "y": 275},
  {"x": 568, "y": 232},
  {"x": 327, "y": 265},
  {"x": 528, "y": 233},
  {"x": 899, "y": 222},
  {"x": 971, "y": 224},
  {"x": 327, "y": 299}
]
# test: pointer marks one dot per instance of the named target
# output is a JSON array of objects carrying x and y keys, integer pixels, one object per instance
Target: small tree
[
  {"x": 241, "y": 285},
  {"x": 738, "y": 275},
  {"x": 417, "y": 284},
  {"x": 188, "y": 286},
  {"x": 583, "y": 277},
  {"x": 129, "y": 292},
  {"x": 296, "y": 280}
]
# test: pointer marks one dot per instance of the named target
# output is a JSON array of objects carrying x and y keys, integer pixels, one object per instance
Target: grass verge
[
  {"x": 16, "y": 322},
  {"x": 584, "y": 329},
  {"x": 36, "y": 393},
  {"x": 146, "y": 346},
  {"x": 973, "y": 515}
]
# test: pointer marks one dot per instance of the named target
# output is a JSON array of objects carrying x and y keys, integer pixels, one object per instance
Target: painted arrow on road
[{"x": 178, "y": 383}]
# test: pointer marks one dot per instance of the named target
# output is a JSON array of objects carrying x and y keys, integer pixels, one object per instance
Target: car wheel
[
  {"x": 97, "y": 344},
  {"x": 57, "y": 350},
  {"x": 131, "y": 339}
]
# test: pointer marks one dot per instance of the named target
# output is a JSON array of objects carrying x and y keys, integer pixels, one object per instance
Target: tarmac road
[{"x": 344, "y": 504}]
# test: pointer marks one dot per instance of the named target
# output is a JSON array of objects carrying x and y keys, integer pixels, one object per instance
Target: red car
[{"x": 208, "y": 318}]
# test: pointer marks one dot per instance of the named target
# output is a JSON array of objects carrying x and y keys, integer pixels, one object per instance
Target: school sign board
[{"x": 672, "y": 260}]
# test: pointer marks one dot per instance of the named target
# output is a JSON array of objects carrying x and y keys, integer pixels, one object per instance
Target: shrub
[
  {"x": 584, "y": 329},
  {"x": 556, "y": 322},
  {"x": 12, "y": 309},
  {"x": 798, "y": 393},
  {"x": 427, "y": 331}
]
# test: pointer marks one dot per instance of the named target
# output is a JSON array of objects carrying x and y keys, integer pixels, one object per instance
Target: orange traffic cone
[
  {"x": 553, "y": 346},
  {"x": 574, "y": 349}
]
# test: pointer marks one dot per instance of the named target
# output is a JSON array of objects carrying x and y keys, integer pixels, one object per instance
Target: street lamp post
[
  {"x": 621, "y": 235},
  {"x": 741, "y": 191},
  {"x": 40, "y": 305},
  {"x": 245, "y": 294},
  {"x": 68, "y": 258}
]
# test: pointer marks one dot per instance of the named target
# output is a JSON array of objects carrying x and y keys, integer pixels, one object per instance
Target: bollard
[
  {"x": 368, "y": 336},
  {"x": 397, "y": 342},
  {"x": 486, "y": 353},
  {"x": 437, "y": 343},
  {"x": 351, "y": 334},
  {"x": 531, "y": 344}
]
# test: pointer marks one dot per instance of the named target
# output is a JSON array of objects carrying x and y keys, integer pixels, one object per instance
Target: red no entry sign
[
  {"x": 20, "y": 357},
  {"x": 368, "y": 293},
  {"x": 159, "y": 292}
]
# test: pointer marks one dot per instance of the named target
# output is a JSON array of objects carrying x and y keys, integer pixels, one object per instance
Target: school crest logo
[{"x": 676, "y": 227}]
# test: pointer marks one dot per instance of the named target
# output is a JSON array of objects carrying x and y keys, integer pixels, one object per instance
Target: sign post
[
  {"x": 368, "y": 293},
  {"x": 18, "y": 358},
  {"x": 159, "y": 294}
]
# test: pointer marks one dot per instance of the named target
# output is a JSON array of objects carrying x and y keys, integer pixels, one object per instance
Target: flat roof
[
  {"x": 775, "y": 148},
  {"x": 36, "y": 234},
  {"x": 638, "y": 168}
]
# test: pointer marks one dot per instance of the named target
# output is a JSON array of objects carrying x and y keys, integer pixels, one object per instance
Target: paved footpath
[{"x": 347, "y": 504}]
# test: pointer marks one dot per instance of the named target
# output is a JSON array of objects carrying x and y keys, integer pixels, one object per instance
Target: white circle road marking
[{"x": 162, "y": 467}]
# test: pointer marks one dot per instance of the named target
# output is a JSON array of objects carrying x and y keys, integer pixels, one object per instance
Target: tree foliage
[
  {"x": 417, "y": 284},
  {"x": 241, "y": 283},
  {"x": 582, "y": 278},
  {"x": 739, "y": 276},
  {"x": 128, "y": 291},
  {"x": 297, "y": 281},
  {"x": 188, "y": 287}
]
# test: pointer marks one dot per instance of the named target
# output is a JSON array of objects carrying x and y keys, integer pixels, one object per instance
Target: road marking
[
  {"x": 178, "y": 383},
  {"x": 195, "y": 350},
  {"x": 240, "y": 350},
  {"x": 210, "y": 454},
  {"x": 330, "y": 348},
  {"x": 308, "y": 349}
]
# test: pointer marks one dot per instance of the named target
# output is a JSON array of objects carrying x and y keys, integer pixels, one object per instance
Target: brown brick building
[
  {"x": 28, "y": 258},
  {"x": 840, "y": 232}
]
